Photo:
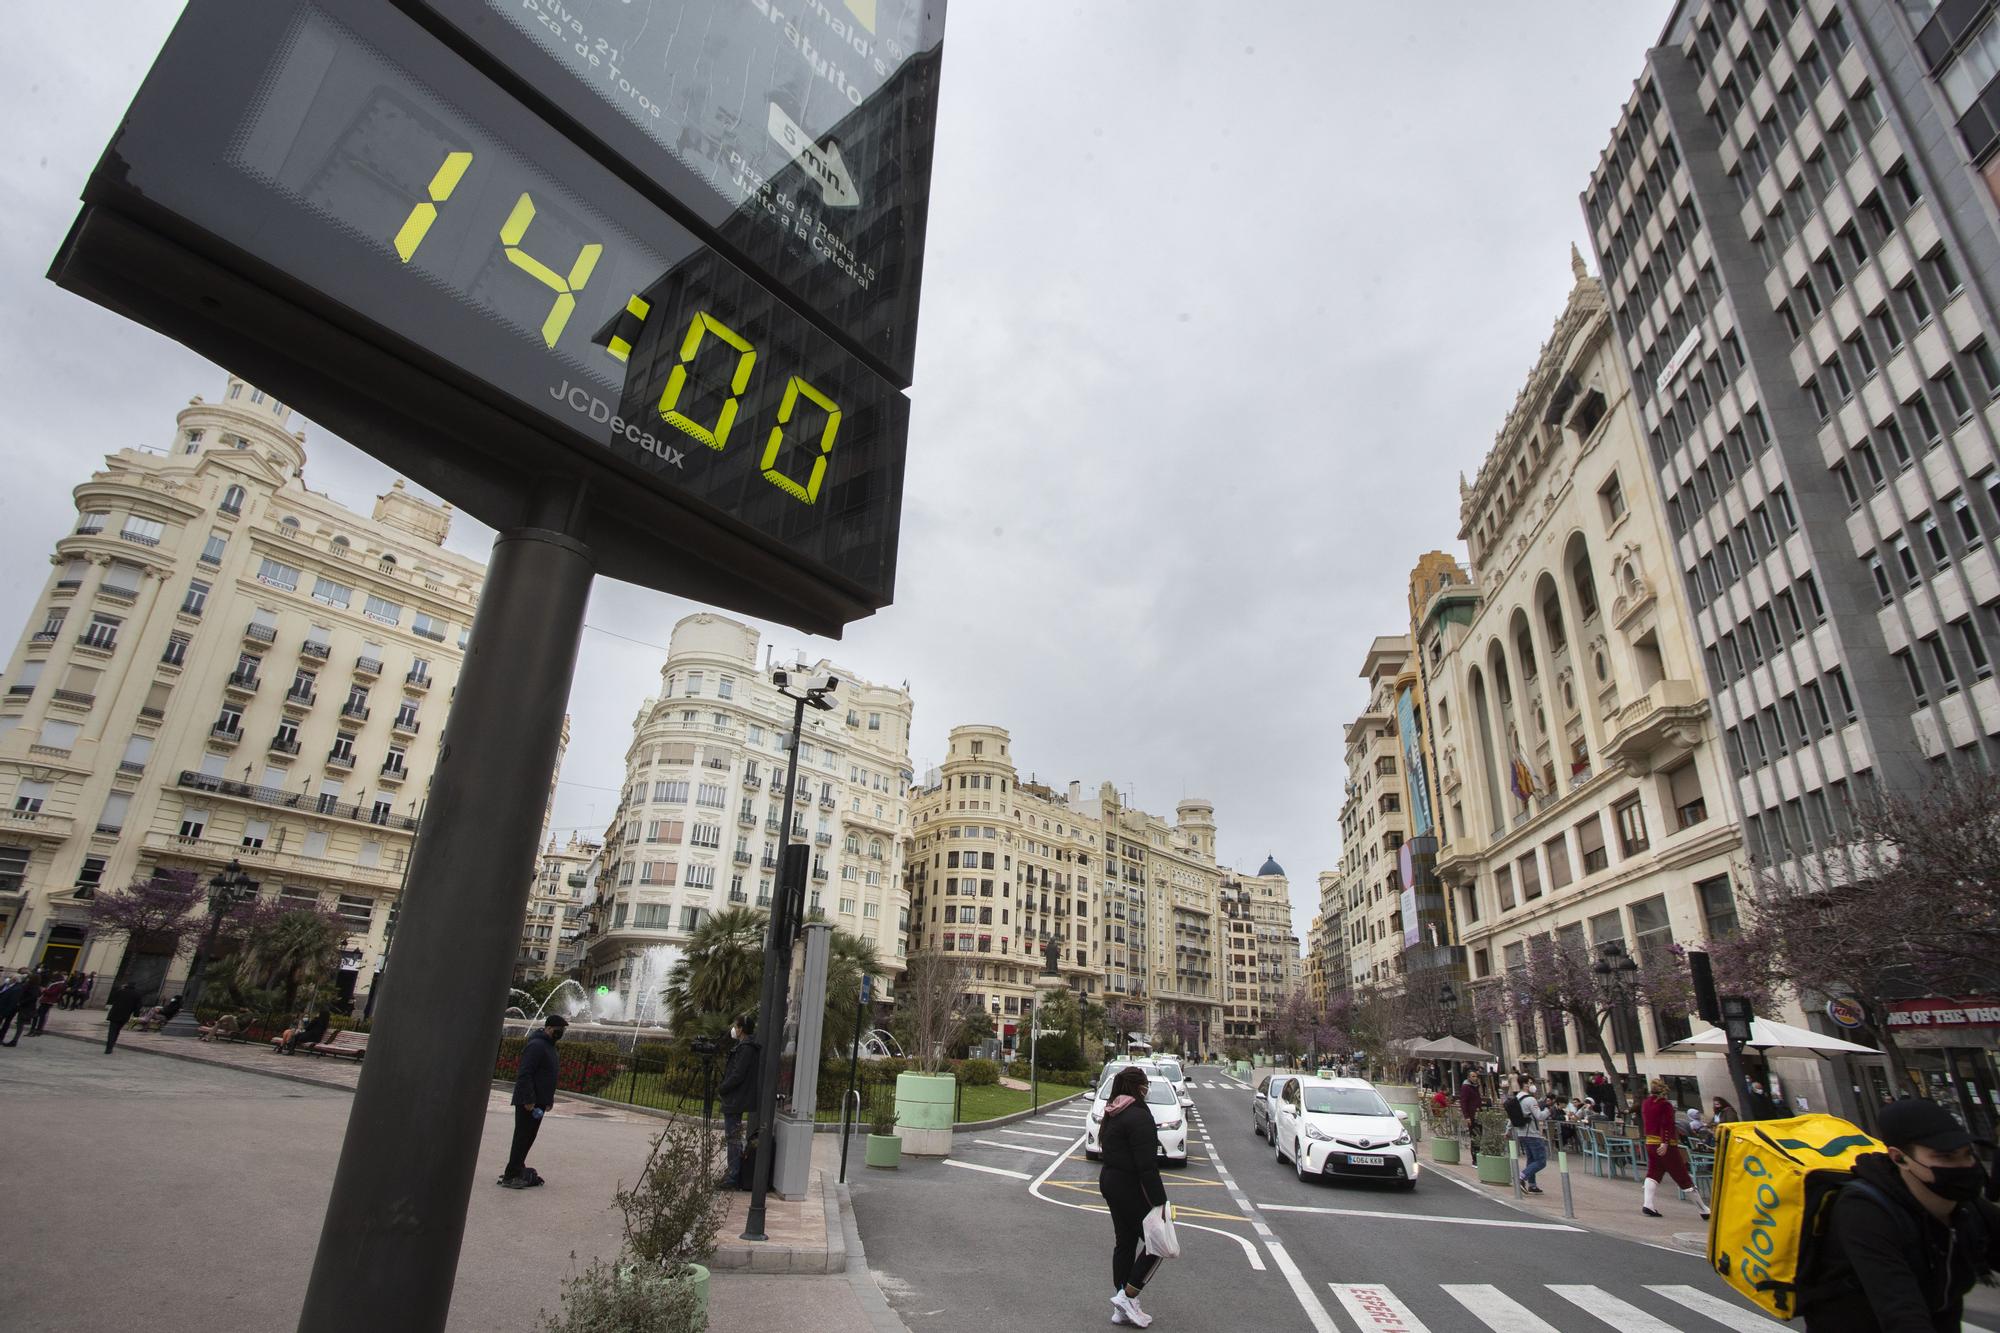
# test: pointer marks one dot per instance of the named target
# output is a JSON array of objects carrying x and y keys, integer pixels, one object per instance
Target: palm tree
[
  {"x": 849, "y": 958},
  {"x": 718, "y": 974},
  {"x": 296, "y": 947}
]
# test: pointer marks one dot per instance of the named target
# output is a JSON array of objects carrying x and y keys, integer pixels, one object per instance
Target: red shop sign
[{"x": 1968, "y": 1012}]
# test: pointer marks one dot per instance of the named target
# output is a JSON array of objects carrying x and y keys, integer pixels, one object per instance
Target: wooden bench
[{"x": 347, "y": 1045}]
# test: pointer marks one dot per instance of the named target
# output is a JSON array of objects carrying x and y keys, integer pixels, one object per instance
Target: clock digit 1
[
  {"x": 715, "y": 437},
  {"x": 511, "y": 233},
  {"x": 411, "y": 234},
  {"x": 810, "y": 491}
]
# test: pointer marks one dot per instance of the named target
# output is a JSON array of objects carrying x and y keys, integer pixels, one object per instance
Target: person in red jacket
[
  {"x": 1665, "y": 1154},
  {"x": 1469, "y": 1102},
  {"x": 51, "y": 996}
]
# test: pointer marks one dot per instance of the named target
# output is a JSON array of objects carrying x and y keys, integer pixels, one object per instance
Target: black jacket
[
  {"x": 123, "y": 1004},
  {"x": 535, "y": 1084},
  {"x": 741, "y": 1077},
  {"x": 1900, "y": 1271},
  {"x": 1129, "y": 1143}
]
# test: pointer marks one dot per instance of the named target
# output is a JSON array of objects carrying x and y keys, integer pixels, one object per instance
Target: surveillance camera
[{"x": 781, "y": 678}]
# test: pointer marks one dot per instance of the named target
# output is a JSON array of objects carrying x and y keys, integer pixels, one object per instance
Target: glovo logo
[
  {"x": 1760, "y": 1244},
  {"x": 1832, "y": 1149}
]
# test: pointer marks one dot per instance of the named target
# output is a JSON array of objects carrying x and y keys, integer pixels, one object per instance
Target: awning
[
  {"x": 1769, "y": 1037},
  {"x": 1449, "y": 1048}
]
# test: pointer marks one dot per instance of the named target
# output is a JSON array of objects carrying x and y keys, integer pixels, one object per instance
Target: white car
[
  {"x": 1264, "y": 1101},
  {"x": 1168, "y": 1116},
  {"x": 1342, "y": 1127},
  {"x": 1178, "y": 1077}
]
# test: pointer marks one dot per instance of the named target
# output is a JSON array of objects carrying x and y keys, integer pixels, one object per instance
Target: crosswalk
[{"x": 1555, "y": 1308}]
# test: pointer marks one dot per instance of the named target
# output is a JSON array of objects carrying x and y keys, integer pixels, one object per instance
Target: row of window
[{"x": 1817, "y": 708}]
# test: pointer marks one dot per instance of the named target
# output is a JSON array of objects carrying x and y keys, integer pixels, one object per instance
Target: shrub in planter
[
  {"x": 624, "y": 1297},
  {"x": 978, "y": 1073}
]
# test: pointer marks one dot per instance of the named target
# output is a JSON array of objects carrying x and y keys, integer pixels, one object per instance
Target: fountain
[
  {"x": 877, "y": 1044},
  {"x": 607, "y": 1013}
]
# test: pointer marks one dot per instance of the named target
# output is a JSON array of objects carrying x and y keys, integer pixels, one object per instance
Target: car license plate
[{"x": 1364, "y": 1159}]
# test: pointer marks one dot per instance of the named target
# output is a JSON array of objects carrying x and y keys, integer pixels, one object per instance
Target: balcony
[
  {"x": 280, "y": 745},
  {"x": 278, "y": 798},
  {"x": 770, "y": 863},
  {"x": 226, "y": 733},
  {"x": 45, "y": 636},
  {"x": 827, "y": 803},
  {"x": 416, "y": 680},
  {"x": 359, "y": 712},
  {"x": 819, "y": 874},
  {"x": 244, "y": 683},
  {"x": 78, "y": 699},
  {"x": 405, "y": 725},
  {"x": 752, "y": 781},
  {"x": 747, "y": 818},
  {"x": 742, "y": 857},
  {"x": 95, "y": 640},
  {"x": 316, "y": 650},
  {"x": 822, "y": 839},
  {"x": 301, "y": 699},
  {"x": 170, "y": 847},
  {"x": 771, "y": 824},
  {"x": 36, "y": 824},
  {"x": 131, "y": 767},
  {"x": 367, "y": 667},
  {"x": 342, "y": 760},
  {"x": 257, "y": 633},
  {"x": 393, "y": 775},
  {"x": 1659, "y": 727},
  {"x": 138, "y": 538}
]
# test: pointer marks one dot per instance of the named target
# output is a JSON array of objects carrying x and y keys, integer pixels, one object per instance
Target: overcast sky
[{"x": 1215, "y": 311}]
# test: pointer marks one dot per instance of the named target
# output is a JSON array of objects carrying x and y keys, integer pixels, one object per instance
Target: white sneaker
[
  {"x": 1129, "y": 1307},
  {"x": 1117, "y": 1315}
]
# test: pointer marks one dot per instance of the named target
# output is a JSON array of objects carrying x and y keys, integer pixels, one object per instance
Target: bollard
[
  {"x": 1569, "y": 1204},
  {"x": 1514, "y": 1165}
]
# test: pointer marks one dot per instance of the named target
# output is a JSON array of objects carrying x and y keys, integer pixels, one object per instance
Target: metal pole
[
  {"x": 184, "y": 1022},
  {"x": 388, "y": 1250},
  {"x": 771, "y": 1005},
  {"x": 1562, "y": 1167},
  {"x": 853, "y": 1073}
]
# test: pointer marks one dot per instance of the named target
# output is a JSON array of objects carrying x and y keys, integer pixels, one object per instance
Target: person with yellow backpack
[{"x": 1908, "y": 1235}]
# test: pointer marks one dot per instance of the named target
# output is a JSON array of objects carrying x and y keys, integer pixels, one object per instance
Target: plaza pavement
[{"x": 187, "y": 1193}]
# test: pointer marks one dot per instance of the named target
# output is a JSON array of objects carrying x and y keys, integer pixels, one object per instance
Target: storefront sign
[
  {"x": 1976, "y": 1011},
  {"x": 1847, "y": 1011}
]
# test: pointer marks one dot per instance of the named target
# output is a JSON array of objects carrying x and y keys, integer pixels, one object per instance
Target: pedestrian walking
[
  {"x": 28, "y": 997},
  {"x": 1528, "y": 1134},
  {"x": 13, "y": 993},
  {"x": 741, "y": 1075},
  {"x": 534, "y": 1095},
  {"x": 124, "y": 1003},
  {"x": 1762, "y": 1105},
  {"x": 1129, "y": 1180},
  {"x": 1666, "y": 1155},
  {"x": 1469, "y": 1102},
  {"x": 52, "y": 994},
  {"x": 1908, "y": 1236}
]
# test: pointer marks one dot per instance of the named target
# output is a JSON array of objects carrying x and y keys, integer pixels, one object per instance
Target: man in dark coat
[
  {"x": 740, "y": 1085},
  {"x": 1909, "y": 1235},
  {"x": 534, "y": 1095},
  {"x": 27, "y": 997},
  {"x": 1469, "y": 1102},
  {"x": 124, "y": 1003}
]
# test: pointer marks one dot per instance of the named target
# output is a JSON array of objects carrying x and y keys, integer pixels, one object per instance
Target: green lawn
[{"x": 987, "y": 1103}]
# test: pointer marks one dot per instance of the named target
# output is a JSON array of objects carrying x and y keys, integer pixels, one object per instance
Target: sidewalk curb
[
  {"x": 1507, "y": 1200},
  {"x": 859, "y": 1276},
  {"x": 758, "y": 1258}
]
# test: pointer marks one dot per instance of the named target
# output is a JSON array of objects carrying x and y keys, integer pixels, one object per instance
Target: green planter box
[
  {"x": 1444, "y": 1149},
  {"x": 885, "y": 1150},
  {"x": 699, "y": 1273},
  {"x": 925, "y": 1101},
  {"x": 1493, "y": 1169}
]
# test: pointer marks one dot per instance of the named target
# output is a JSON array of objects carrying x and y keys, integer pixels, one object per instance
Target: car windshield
[
  {"x": 1171, "y": 1070},
  {"x": 1346, "y": 1101},
  {"x": 1159, "y": 1092}
]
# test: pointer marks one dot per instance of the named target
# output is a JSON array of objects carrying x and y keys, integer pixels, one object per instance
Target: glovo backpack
[{"x": 1775, "y": 1181}]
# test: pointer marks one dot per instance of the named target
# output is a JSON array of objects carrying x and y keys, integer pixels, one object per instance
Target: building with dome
[
  {"x": 1262, "y": 951},
  {"x": 225, "y": 667}
]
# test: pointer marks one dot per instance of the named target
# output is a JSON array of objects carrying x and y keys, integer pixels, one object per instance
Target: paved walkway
[{"x": 205, "y": 1178}]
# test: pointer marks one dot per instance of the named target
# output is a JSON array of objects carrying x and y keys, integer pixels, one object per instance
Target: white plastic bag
[{"x": 1159, "y": 1238}]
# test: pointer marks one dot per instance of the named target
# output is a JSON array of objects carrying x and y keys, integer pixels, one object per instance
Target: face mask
[
  {"x": 555, "y": 1035},
  {"x": 1960, "y": 1184}
]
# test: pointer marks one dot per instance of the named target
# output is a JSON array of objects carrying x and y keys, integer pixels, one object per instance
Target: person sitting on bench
[{"x": 309, "y": 1033}]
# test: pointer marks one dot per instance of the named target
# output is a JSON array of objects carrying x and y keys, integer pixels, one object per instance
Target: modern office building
[
  {"x": 699, "y": 824},
  {"x": 1796, "y": 227},
  {"x": 1583, "y": 800},
  {"x": 225, "y": 666}
]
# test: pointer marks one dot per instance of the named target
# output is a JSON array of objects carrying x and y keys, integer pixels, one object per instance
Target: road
[{"x": 1009, "y": 1232}]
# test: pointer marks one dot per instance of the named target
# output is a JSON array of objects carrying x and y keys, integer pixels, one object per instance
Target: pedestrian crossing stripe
[{"x": 1374, "y": 1306}]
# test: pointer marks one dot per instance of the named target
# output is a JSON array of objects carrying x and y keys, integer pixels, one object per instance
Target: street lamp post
[
  {"x": 1615, "y": 971},
  {"x": 1448, "y": 1006},
  {"x": 785, "y": 918},
  {"x": 226, "y": 889}
]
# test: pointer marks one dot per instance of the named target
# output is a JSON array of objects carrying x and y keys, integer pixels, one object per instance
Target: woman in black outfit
[{"x": 1131, "y": 1185}]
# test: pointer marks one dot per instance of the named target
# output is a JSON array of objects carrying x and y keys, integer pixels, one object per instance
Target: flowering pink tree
[{"x": 163, "y": 912}]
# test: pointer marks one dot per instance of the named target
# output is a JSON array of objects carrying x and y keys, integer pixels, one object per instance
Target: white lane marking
[
  {"x": 1417, "y": 1217},
  {"x": 1019, "y": 1147},
  {"x": 1621, "y": 1315},
  {"x": 1970, "y": 1328},
  {"x": 1497, "y": 1310},
  {"x": 989, "y": 1170},
  {"x": 1372, "y": 1305},
  {"x": 1249, "y": 1250},
  {"x": 1030, "y": 1134},
  {"x": 1315, "y": 1309},
  {"x": 1035, "y": 1188},
  {"x": 1726, "y": 1313}
]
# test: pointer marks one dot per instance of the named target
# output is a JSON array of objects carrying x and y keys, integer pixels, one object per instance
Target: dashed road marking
[{"x": 990, "y": 1170}]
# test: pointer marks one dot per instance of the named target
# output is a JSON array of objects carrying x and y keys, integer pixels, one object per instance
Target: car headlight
[
  {"x": 1097, "y": 1117},
  {"x": 1170, "y": 1124},
  {"x": 1403, "y": 1142},
  {"x": 1315, "y": 1132}
]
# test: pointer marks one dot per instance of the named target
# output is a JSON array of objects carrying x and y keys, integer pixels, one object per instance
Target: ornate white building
[
  {"x": 699, "y": 825},
  {"x": 225, "y": 666}
]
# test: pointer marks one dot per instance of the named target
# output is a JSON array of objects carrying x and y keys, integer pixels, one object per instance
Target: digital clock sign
[
  {"x": 797, "y": 133},
  {"x": 335, "y": 202}
]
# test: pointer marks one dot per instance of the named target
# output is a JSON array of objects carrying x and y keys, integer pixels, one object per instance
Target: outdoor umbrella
[
  {"x": 1450, "y": 1048},
  {"x": 1769, "y": 1037}
]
